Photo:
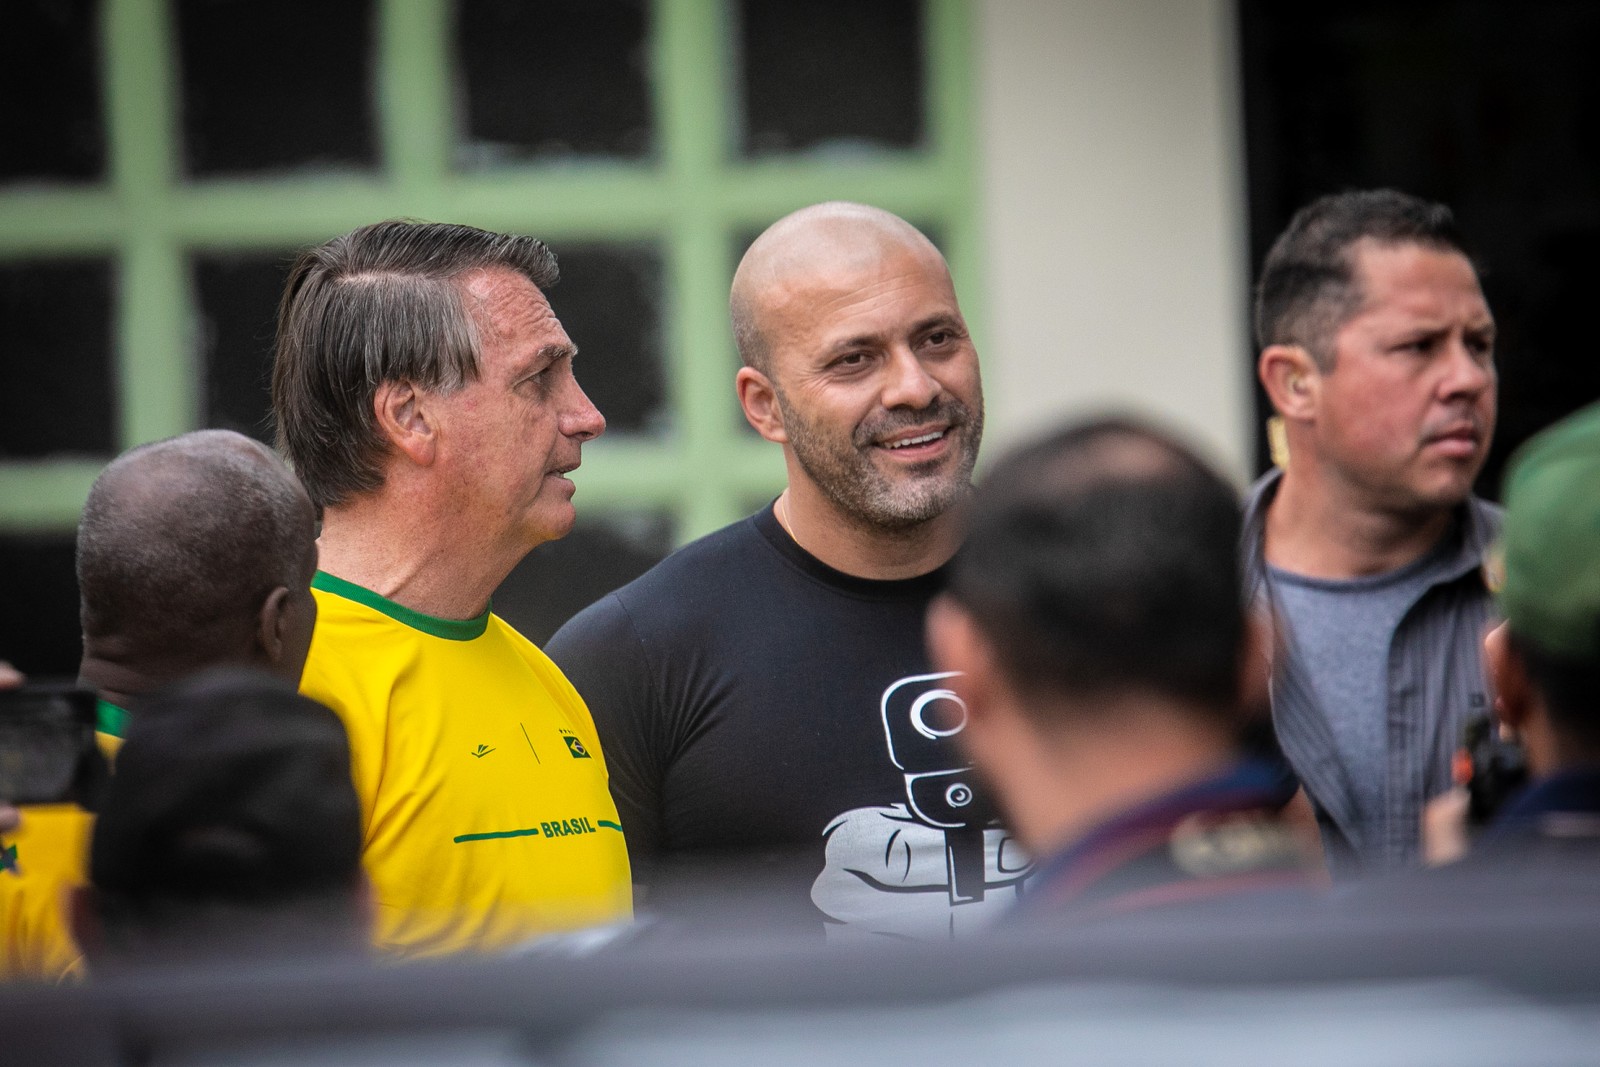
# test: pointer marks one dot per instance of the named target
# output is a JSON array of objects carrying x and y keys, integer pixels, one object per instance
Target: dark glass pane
[
  {"x": 609, "y": 300},
  {"x": 55, "y": 344},
  {"x": 51, "y": 128},
  {"x": 39, "y": 630},
  {"x": 275, "y": 86},
  {"x": 837, "y": 75},
  {"x": 551, "y": 79},
  {"x": 1493, "y": 109},
  {"x": 237, "y": 297},
  {"x": 561, "y": 578}
]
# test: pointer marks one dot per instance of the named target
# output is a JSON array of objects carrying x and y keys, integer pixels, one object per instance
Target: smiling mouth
[{"x": 913, "y": 442}]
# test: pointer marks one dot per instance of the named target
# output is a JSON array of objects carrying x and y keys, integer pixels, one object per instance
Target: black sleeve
[{"x": 600, "y": 653}]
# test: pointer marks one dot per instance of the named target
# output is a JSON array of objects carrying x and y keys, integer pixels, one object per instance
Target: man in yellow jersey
[
  {"x": 424, "y": 391},
  {"x": 193, "y": 552}
]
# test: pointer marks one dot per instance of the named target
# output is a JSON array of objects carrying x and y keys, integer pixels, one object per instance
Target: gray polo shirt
[
  {"x": 1432, "y": 683},
  {"x": 1342, "y": 632}
]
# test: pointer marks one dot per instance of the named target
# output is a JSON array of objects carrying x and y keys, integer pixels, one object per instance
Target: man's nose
[
  {"x": 581, "y": 419},
  {"x": 1470, "y": 372},
  {"x": 909, "y": 384}
]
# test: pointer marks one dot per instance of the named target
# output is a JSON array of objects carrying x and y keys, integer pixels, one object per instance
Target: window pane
[
  {"x": 55, "y": 343},
  {"x": 552, "y": 79},
  {"x": 51, "y": 128},
  {"x": 559, "y": 579},
  {"x": 609, "y": 300},
  {"x": 237, "y": 297},
  {"x": 839, "y": 76},
  {"x": 275, "y": 86},
  {"x": 39, "y": 630}
]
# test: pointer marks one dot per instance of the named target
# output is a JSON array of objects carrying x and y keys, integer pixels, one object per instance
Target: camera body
[
  {"x": 48, "y": 752},
  {"x": 1498, "y": 768},
  {"x": 922, "y": 721}
]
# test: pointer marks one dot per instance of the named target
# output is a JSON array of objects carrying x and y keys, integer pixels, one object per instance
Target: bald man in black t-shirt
[{"x": 764, "y": 695}]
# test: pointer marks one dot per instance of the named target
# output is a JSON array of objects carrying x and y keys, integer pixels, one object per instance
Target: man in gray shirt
[{"x": 1378, "y": 356}]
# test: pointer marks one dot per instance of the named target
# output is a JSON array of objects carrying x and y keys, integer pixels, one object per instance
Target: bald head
[
  {"x": 182, "y": 545},
  {"x": 823, "y": 239}
]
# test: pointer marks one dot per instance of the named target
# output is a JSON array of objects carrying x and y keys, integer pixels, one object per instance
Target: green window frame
[{"x": 692, "y": 200}]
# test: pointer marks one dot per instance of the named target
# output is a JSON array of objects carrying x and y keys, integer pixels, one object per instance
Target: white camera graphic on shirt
[{"x": 922, "y": 721}]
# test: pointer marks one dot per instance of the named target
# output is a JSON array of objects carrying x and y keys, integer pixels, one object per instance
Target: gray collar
[{"x": 1475, "y": 529}]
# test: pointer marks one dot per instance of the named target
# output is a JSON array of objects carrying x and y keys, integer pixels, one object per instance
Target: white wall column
[{"x": 1114, "y": 217}]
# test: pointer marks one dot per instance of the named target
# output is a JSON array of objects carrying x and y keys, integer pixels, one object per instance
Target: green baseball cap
[{"x": 1550, "y": 591}]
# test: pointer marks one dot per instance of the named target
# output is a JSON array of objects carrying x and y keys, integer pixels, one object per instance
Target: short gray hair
[
  {"x": 182, "y": 540},
  {"x": 1308, "y": 288}
]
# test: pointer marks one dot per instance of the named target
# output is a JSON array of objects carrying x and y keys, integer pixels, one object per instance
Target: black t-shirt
[{"x": 764, "y": 714}]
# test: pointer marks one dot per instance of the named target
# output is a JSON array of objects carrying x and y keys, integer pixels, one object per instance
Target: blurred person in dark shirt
[
  {"x": 1095, "y": 615},
  {"x": 193, "y": 552},
  {"x": 230, "y": 831},
  {"x": 1545, "y": 658}
]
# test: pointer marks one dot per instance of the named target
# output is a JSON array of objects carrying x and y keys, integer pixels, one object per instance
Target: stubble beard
[{"x": 847, "y": 475}]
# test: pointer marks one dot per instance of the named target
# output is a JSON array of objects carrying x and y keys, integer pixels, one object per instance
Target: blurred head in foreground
[
  {"x": 231, "y": 830},
  {"x": 1545, "y": 658},
  {"x": 1095, "y": 613}
]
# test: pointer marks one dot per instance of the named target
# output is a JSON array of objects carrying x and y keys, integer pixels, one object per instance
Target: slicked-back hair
[
  {"x": 380, "y": 304},
  {"x": 182, "y": 540},
  {"x": 1308, "y": 286},
  {"x": 1102, "y": 560}
]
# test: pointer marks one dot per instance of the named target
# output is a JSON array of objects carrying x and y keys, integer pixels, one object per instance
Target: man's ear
[
  {"x": 1291, "y": 379},
  {"x": 759, "y": 399},
  {"x": 1508, "y": 675},
  {"x": 404, "y": 420},
  {"x": 272, "y": 625}
]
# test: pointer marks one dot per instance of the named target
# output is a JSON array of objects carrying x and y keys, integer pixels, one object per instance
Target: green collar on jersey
[
  {"x": 110, "y": 719},
  {"x": 449, "y": 629}
]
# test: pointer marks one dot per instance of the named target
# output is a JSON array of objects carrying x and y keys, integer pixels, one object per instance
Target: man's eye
[{"x": 851, "y": 359}]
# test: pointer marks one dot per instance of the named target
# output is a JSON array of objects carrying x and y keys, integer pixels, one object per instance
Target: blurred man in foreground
[
  {"x": 1545, "y": 658},
  {"x": 759, "y": 690},
  {"x": 231, "y": 831},
  {"x": 1094, "y": 617},
  {"x": 1378, "y": 356},
  {"x": 423, "y": 388},
  {"x": 193, "y": 552}
]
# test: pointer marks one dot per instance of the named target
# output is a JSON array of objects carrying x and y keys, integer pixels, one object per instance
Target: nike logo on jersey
[{"x": 482, "y": 751}]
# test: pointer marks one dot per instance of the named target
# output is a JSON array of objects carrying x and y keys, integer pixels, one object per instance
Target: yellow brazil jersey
[
  {"x": 40, "y": 864},
  {"x": 488, "y": 817}
]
